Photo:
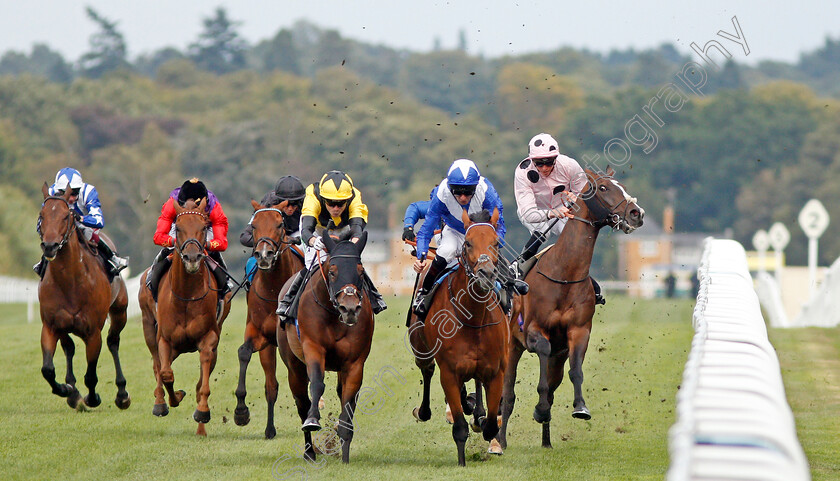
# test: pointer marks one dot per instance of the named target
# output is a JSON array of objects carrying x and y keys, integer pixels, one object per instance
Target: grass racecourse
[{"x": 632, "y": 372}]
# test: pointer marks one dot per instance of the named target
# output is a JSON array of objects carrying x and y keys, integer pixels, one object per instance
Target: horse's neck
[
  {"x": 70, "y": 261},
  {"x": 570, "y": 257},
  {"x": 185, "y": 284},
  {"x": 466, "y": 304}
]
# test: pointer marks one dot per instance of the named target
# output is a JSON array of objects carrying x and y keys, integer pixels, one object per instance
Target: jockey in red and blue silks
[{"x": 84, "y": 201}]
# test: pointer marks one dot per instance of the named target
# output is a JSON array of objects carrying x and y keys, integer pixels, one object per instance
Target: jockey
[
  {"x": 413, "y": 214},
  {"x": 288, "y": 188},
  {"x": 192, "y": 189},
  {"x": 333, "y": 198},
  {"x": 546, "y": 184},
  {"x": 89, "y": 217},
  {"x": 463, "y": 189}
]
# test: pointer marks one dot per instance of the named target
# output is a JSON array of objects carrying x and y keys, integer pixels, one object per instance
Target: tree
[
  {"x": 108, "y": 49},
  {"x": 279, "y": 53},
  {"x": 219, "y": 48},
  {"x": 42, "y": 62},
  {"x": 533, "y": 97}
]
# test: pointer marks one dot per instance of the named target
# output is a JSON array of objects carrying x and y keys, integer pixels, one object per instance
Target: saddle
[{"x": 526, "y": 266}]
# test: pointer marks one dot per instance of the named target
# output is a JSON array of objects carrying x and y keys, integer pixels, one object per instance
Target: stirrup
[{"x": 599, "y": 299}]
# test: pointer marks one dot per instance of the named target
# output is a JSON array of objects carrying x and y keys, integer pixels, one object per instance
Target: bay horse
[
  {"x": 334, "y": 333},
  {"x": 185, "y": 317},
  {"x": 276, "y": 263},
  {"x": 466, "y": 333},
  {"x": 558, "y": 309},
  {"x": 75, "y": 298}
]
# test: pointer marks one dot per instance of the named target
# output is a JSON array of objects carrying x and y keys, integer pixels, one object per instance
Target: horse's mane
[{"x": 484, "y": 216}]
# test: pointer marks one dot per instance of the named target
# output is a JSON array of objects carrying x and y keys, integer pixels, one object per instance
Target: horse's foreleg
[
  {"x": 424, "y": 412},
  {"x": 460, "y": 429},
  {"x": 93, "y": 346},
  {"x": 578, "y": 342},
  {"x": 315, "y": 371},
  {"x": 49, "y": 341},
  {"x": 540, "y": 345},
  {"x": 166, "y": 355},
  {"x": 555, "y": 377},
  {"x": 351, "y": 383},
  {"x": 268, "y": 359},
  {"x": 69, "y": 348},
  {"x": 118, "y": 319},
  {"x": 297, "y": 378},
  {"x": 207, "y": 352},
  {"x": 490, "y": 427},
  {"x": 241, "y": 414},
  {"x": 509, "y": 396}
]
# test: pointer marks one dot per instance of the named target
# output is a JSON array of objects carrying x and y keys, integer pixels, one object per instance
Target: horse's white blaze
[{"x": 624, "y": 192}]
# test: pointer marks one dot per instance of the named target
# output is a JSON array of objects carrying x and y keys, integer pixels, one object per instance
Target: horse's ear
[
  {"x": 201, "y": 203},
  {"x": 67, "y": 193},
  {"x": 465, "y": 218},
  {"x": 283, "y": 205},
  {"x": 45, "y": 189},
  {"x": 610, "y": 171},
  {"x": 360, "y": 244},
  {"x": 256, "y": 205},
  {"x": 329, "y": 243},
  {"x": 495, "y": 217}
]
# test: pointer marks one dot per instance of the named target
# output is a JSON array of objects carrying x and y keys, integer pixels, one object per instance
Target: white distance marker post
[
  {"x": 779, "y": 238},
  {"x": 761, "y": 242},
  {"x": 813, "y": 218}
]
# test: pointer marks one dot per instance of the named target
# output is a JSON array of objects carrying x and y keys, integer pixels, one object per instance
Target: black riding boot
[
  {"x": 113, "y": 262},
  {"x": 599, "y": 298},
  {"x": 377, "y": 303},
  {"x": 285, "y": 309},
  {"x": 159, "y": 266},
  {"x": 532, "y": 246},
  {"x": 421, "y": 304}
]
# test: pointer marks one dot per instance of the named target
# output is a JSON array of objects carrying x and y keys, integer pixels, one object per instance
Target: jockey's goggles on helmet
[
  {"x": 74, "y": 192},
  {"x": 334, "y": 203},
  {"x": 462, "y": 190},
  {"x": 546, "y": 162}
]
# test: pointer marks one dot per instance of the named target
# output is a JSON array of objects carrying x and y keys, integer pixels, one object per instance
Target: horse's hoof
[
  {"x": 478, "y": 424},
  {"x": 201, "y": 416},
  {"x": 241, "y": 416},
  {"x": 321, "y": 404},
  {"x": 94, "y": 401},
  {"x": 495, "y": 448},
  {"x": 74, "y": 398},
  {"x": 582, "y": 413},
  {"x": 421, "y": 414},
  {"x": 179, "y": 396},
  {"x": 541, "y": 416},
  {"x": 64, "y": 390},
  {"x": 123, "y": 402},
  {"x": 311, "y": 424},
  {"x": 469, "y": 406},
  {"x": 270, "y": 432},
  {"x": 449, "y": 418},
  {"x": 160, "y": 410},
  {"x": 201, "y": 431}
]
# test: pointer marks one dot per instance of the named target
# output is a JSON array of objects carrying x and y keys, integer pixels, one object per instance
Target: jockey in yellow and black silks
[{"x": 333, "y": 198}]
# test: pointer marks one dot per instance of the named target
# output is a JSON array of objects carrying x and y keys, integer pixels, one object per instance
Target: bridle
[
  {"x": 70, "y": 221},
  {"x": 280, "y": 246},
  {"x": 606, "y": 215},
  {"x": 348, "y": 290},
  {"x": 192, "y": 240},
  {"x": 469, "y": 270}
]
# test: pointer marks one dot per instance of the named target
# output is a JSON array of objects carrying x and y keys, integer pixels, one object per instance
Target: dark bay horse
[
  {"x": 466, "y": 333},
  {"x": 184, "y": 318},
  {"x": 276, "y": 262},
  {"x": 558, "y": 309},
  {"x": 75, "y": 298},
  {"x": 335, "y": 321}
]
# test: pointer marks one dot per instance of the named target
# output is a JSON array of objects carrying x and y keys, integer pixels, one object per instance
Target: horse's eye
[
  {"x": 603, "y": 188},
  {"x": 467, "y": 244}
]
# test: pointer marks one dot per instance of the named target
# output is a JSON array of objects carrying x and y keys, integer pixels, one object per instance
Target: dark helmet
[
  {"x": 290, "y": 188},
  {"x": 192, "y": 189}
]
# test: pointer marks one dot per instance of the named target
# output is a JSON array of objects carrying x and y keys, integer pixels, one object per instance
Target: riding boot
[
  {"x": 599, "y": 298},
  {"x": 114, "y": 263},
  {"x": 284, "y": 307},
  {"x": 377, "y": 303},
  {"x": 521, "y": 287},
  {"x": 421, "y": 303},
  {"x": 532, "y": 246},
  {"x": 41, "y": 267},
  {"x": 159, "y": 266}
]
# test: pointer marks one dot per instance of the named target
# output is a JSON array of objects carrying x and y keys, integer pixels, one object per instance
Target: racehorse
[
  {"x": 75, "y": 297},
  {"x": 185, "y": 318},
  {"x": 276, "y": 262},
  {"x": 334, "y": 333},
  {"x": 558, "y": 309},
  {"x": 466, "y": 333}
]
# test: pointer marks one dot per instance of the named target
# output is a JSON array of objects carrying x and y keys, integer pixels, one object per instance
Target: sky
[{"x": 774, "y": 30}]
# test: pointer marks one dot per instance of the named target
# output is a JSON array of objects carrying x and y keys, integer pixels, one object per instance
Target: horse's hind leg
[
  {"x": 460, "y": 428},
  {"x": 509, "y": 396},
  {"x": 479, "y": 414},
  {"x": 118, "y": 319},
  {"x": 93, "y": 346},
  {"x": 555, "y": 377},
  {"x": 578, "y": 342},
  {"x": 242, "y": 415}
]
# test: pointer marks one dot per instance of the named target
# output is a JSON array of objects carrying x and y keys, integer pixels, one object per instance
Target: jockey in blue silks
[
  {"x": 84, "y": 201},
  {"x": 463, "y": 189}
]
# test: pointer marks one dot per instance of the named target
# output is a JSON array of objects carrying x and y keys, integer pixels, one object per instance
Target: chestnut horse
[
  {"x": 466, "y": 333},
  {"x": 75, "y": 298},
  {"x": 276, "y": 262},
  {"x": 558, "y": 309},
  {"x": 185, "y": 317},
  {"x": 335, "y": 325}
]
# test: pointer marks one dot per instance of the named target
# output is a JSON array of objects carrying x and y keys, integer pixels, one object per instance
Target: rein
[{"x": 180, "y": 249}]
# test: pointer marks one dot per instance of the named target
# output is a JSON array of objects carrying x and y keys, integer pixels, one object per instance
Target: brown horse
[
  {"x": 335, "y": 322},
  {"x": 75, "y": 297},
  {"x": 466, "y": 333},
  {"x": 185, "y": 317},
  {"x": 276, "y": 262},
  {"x": 558, "y": 309}
]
